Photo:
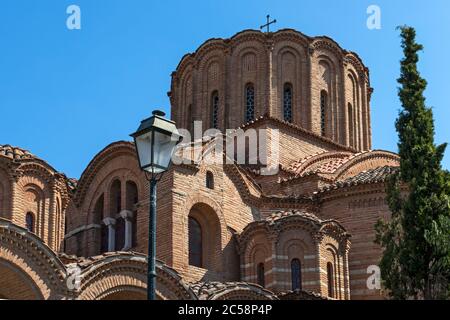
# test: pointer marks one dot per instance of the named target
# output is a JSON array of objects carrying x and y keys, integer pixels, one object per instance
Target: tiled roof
[
  {"x": 301, "y": 295},
  {"x": 370, "y": 176},
  {"x": 15, "y": 152},
  {"x": 328, "y": 162},
  {"x": 267, "y": 117},
  {"x": 205, "y": 290},
  {"x": 283, "y": 214}
]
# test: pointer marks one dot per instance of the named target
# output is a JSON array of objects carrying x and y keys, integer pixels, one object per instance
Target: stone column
[
  {"x": 111, "y": 224},
  {"x": 127, "y": 215}
]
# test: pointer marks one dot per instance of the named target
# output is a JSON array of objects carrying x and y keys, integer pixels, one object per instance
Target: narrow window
[
  {"x": 249, "y": 103},
  {"x": 350, "y": 124},
  {"x": 296, "y": 274},
  {"x": 323, "y": 111},
  {"x": 260, "y": 274},
  {"x": 190, "y": 122},
  {"x": 215, "y": 110},
  {"x": 115, "y": 198},
  {"x": 29, "y": 221},
  {"x": 195, "y": 243},
  {"x": 132, "y": 200},
  {"x": 330, "y": 278},
  {"x": 104, "y": 246},
  {"x": 209, "y": 180},
  {"x": 120, "y": 234},
  {"x": 287, "y": 103}
]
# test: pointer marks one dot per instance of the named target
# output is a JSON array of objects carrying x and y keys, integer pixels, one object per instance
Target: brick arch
[
  {"x": 212, "y": 235},
  {"x": 125, "y": 293},
  {"x": 90, "y": 178},
  {"x": 365, "y": 161},
  {"x": 192, "y": 200},
  {"x": 121, "y": 273},
  {"x": 243, "y": 292},
  {"x": 240, "y": 78},
  {"x": 17, "y": 283},
  {"x": 38, "y": 207},
  {"x": 297, "y": 78},
  {"x": 39, "y": 272},
  {"x": 313, "y": 162}
]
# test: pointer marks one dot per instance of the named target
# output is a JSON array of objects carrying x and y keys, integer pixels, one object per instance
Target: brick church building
[{"x": 224, "y": 231}]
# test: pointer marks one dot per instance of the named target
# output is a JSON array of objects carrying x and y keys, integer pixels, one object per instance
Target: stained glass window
[
  {"x": 287, "y": 103},
  {"x": 323, "y": 111},
  {"x": 296, "y": 274},
  {"x": 249, "y": 103},
  {"x": 215, "y": 110}
]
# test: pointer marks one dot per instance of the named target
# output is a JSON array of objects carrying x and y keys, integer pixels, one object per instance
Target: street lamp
[{"x": 155, "y": 140}]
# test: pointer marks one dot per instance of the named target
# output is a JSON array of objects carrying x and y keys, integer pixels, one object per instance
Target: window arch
[
  {"x": 350, "y": 124},
  {"x": 323, "y": 111},
  {"x": 249, "y": 102},
  {"x": 98, "y": 219},
  {"x": 189, "y": 118},
  {"x": 260, "y": 274},
  {"x": 209, "y": 180},
  {"x": 296, "y": 274},
  {"x": 330, "y": 279},
  {"x": 132, "y": 199},
  {"x": 215, "y": 110},
  {"x": 287, "y": 102},
  {"x": 115, "y": 198},
  {"x": 29, "y": 222},
  {"x": 195, "y": 243}
]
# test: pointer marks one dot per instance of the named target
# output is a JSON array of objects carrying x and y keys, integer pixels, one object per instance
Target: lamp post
[{"x": 155, "y": 140}]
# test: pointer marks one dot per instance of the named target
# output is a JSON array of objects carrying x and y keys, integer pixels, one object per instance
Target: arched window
[
  {"x": 296, "y": 274},
  {"x": 209, "y": 180},
  {"x": 249, "y": 103},
  {"x": 350, "y": 124},
  {"x": 195, "y": 243},
  {"x": 323, "y": 111},
  {"x": 120, "y": 234},
  {"x": 190, "y": 121},
  {"x": 330, "y": 279},
  {"x": 287, "y": 102},
  {"x": 98, "y": 219},
  {"x": 260, "y": 274},
  {"x": 115, "y": 198},
  {"x": 215, "y": 110},
  {"x": 132, "y": 200},
  {"x": 29, "y": 221},
  {"x": 104, "y": 247}
]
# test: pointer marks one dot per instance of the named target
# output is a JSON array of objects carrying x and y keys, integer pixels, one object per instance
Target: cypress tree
[{"x": 416, "y": 240}]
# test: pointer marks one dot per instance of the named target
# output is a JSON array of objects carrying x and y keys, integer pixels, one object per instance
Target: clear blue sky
[{"x": 64, "y": 95}]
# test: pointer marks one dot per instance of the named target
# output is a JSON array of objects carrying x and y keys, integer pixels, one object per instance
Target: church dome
[{"x": 310, "y": 82}]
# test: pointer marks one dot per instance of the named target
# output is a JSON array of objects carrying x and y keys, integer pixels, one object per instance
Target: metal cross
[{"x": 267, "y": 25}]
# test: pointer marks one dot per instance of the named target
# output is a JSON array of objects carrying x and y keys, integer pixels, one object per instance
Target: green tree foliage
[{"x": 416, "y": 240}]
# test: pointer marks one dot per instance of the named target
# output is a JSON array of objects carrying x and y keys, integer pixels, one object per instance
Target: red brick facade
[{"x": 305, "y": 233}]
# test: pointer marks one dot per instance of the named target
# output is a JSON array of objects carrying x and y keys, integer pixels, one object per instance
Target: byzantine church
[{"x": 224, "y": 230}]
